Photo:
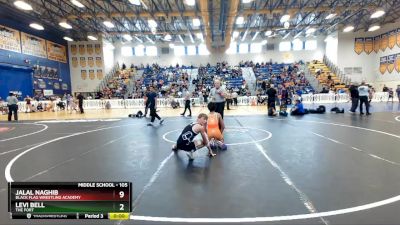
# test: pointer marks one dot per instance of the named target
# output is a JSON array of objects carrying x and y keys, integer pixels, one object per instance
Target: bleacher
[
  {"x": 271, "y": 73},
  {"x": 324, "y": 73}
]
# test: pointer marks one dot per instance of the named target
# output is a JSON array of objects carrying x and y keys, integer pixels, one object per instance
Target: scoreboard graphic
[{"x": 70, "y": 200}]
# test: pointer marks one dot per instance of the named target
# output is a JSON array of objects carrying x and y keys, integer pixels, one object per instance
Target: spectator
[
  {"x": 80, "y": 102},
  {"x": 398, "y": 92},
  {"x": 298, "y": 109}
]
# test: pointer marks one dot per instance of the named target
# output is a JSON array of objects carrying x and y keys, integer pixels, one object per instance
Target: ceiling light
[
  {"x": 65, "y": 25},
  {"x": 264, "y": 42},
  {"x": 255, "y": 35},
  {"x": 310, "y": 30},
  {"x": 127, "y": 37},
  {"x": 190, "y": 2},
  {"x": 330, "y": 16},
  {"x": 68, "y": 39},
  {"x": 286, "y": 25},
  {"x": 246, "y": 1},
  {"x": 93, "y": 38},
  {"x": 348, "y": 29},
  {"x": 135, "y": 2},
  {"x": 108, "y": 24},
  {"x": 285, "y": 18},
  {"x": 235, "y": 34},
  {"x": 77, "y": 3},
  {"x": 377, "y": 14},
  {"x": 240, "y": 20},
  {"x": 167, "y": 37},
  {"x": 374, "y": 28},
  {"x": 200, "y": 36},
  {"x": 196, "y": 22},
  {"x": 23, "y": 5},
  {"x": 153, "y": 30},
  {"x": 152, "y": 23},
  {"x": 268, "y": 33},
  {"x": 36, "y": 26}
]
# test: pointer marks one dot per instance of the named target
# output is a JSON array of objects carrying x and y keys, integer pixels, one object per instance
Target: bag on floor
[
  {"x": 320, "y": 110},
  {"x": 337, "y": 110}
]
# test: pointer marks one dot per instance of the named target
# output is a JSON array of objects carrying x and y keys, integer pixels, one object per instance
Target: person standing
[
  {"x": 391, "y": 94},
  {"x": 363, "y": 92},
  {"x": 80, "y": 102},
  {"x": 217, "y": 94},
  {"x": 187, "y": 103},
  {"x": 69, "y": 101},
  {"x": 354, "y": 98},
  {"x": 12, "y": 103},
  {"x": 271, "y": 93},
  {"x": 228, "y": 100},
  {"x": 235, "y": 98},
  {"x": 398, "y": 92},
  {"x": 152, "y": 99}
]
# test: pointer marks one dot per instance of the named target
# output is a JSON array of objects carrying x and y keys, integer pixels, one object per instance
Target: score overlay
[{"x": 70, "y": 200}]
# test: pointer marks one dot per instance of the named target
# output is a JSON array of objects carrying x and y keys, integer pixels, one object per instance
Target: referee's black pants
[{"x": 220, "y": 108}]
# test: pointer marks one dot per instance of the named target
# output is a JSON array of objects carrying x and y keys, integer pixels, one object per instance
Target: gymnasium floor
[{"x": 315, "y": 169}]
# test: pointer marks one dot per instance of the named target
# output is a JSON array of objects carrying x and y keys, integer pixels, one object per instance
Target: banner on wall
[
  {"x": 369, "y": 45},
  {"x": 97, "y": 49},
  {"x": 10, "y": 39},
  {"x": 99, "y": 62},
  {"x": 377, "y": 43},
  {"x": 74, "y": 62},
  {"x": 359, "y": 45},
  {"x": 91, "y": 74},
  {"x": 81, "y": 49},
  {"x": 397, "y": 65},
  {"x": 32, "y": 45},
  {"x": 74, "y": 49},
  {"x": 99, "y": 74},
  {"x": 392, "y": 39},
  {"x": 398, "y": 37},
  {"x": 82, "y": 61},
  {"x": 56, "y": 52},
  {"x": 390, "y": 63},
  {"x": 384, "y": 41},
  {"x": 83, "y": 74},
  {"x": 89, "y": 49},
  {"x": 90, "y": 61},
  {"x": 383, "y": 66}
]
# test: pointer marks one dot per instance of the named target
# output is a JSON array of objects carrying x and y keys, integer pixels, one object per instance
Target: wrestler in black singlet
[{"x": 185, "y": 140}]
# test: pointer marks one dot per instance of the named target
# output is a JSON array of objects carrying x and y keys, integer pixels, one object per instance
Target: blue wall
[{"x": 10, "y": 59}]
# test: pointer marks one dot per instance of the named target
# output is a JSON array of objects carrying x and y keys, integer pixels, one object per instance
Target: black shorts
[{"x": 186, "y": 147}]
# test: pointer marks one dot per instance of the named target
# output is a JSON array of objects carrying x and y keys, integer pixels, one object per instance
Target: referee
[
  {"x": 217, "y": 95},
  {"x": 12, "y": 102}
]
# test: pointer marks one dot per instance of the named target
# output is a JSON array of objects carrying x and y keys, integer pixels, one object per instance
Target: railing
[
  {"x": 335, "y": 69},
  {"x": 311, "y": 78},
  {"x": 242, "y": 101},
  {"x": 106, "y": 78}
]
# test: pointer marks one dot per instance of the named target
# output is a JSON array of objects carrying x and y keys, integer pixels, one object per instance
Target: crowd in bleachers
[{"x": 230, "y": 76}]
